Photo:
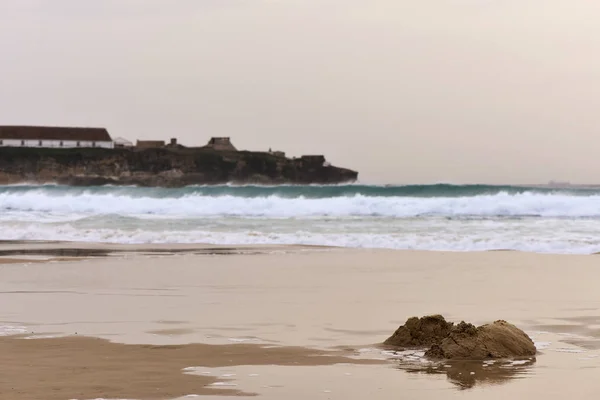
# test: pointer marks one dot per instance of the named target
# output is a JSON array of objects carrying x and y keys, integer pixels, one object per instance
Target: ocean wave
[
  {"x": 481, "y": 219},
  {"x": 457, "y": 239},
  {"x": 52, "y": 201}
]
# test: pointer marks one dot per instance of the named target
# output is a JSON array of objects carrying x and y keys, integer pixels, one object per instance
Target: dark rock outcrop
[
  {"x": 497, "y": 340},
  {"x": 463, "y": 341},
  {"x": 168, "y": 167},
  {"x": 418, "y": 332}
]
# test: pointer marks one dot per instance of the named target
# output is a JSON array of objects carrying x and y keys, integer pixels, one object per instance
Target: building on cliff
[
  {"x": 150, "y": 144},
  {"x": 174, "y": 145},
  {"x": 50, "y": 136},
  {"x": 158, "y": 144},
  {"x": 314, "y": 161},
  {"x": 277, "y": 153},
  {"x": 220, "y": 144},
  {"x": 123, "y": 143}
]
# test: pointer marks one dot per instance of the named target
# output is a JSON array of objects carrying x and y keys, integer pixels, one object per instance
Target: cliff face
[{"x": 162, "y": 167}]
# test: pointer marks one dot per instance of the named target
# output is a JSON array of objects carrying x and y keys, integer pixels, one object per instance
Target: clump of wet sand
[
  {"x": 463, "y": 341},
  {"x": 418, "y": 332}
]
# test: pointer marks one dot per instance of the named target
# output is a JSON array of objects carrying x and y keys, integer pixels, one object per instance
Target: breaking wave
[
  {"x": 307, "y": 201},
  {"x": 434, "y": 217}
]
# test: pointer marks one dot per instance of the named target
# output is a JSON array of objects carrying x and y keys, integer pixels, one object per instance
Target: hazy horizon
[{"x": 458, "y": 91}]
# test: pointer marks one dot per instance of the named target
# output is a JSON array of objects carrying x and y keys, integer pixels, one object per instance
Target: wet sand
[
  {"x": 209, "y": 303},
  {"x": 82, "y": 367}
]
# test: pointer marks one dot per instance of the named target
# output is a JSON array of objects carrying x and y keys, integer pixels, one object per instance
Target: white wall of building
[{"x": 54, "y": 143}]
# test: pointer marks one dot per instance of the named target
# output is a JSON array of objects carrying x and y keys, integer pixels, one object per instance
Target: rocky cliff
[{"x": 167, "y": 167}]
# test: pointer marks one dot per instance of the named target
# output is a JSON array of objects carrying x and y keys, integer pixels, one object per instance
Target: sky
[{"x": 403, "y": 91}]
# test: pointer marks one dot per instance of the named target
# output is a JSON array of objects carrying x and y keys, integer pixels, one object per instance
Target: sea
[{"x": 438, "y": 217}]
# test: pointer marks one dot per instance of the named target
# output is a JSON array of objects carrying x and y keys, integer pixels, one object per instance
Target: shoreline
[{"x": 48, "y": 247}]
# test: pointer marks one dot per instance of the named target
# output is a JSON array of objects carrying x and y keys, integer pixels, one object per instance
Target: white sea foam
[
  {"x": 542, "y": 345},
  {"x": 9, "y": 330},
  {"x": 405, "y": 355},
  {"x": 519, "y": 362},
  {"x": 416, "y": 235},
  {"x": 500, "y": 204},
  {"x": 243, "y": 340},
  {"x": 196, "y": 371},
  {"x": 222, "y": 384},
  {"x": 533, "y": 222},
  {"x": 34, "y": 337},
  {"x": 569, "y": 350}
]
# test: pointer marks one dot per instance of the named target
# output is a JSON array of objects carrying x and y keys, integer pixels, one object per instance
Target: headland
[{"x": 90, "y": 157}]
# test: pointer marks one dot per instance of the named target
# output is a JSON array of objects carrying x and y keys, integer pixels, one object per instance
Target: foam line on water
[
  {"x": 10, "y": 330},
  {"x": 43, "y": 200},
  {"x": 464, "y": 238}
]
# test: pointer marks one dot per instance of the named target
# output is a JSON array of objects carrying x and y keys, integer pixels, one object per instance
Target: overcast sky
[{"x": 404, "y": 91}]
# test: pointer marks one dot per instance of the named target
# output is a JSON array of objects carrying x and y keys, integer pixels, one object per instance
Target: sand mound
[
  {"x": 463, "y": 341},
  {"x": 497, "y": 340},
  {"x": 417, "y": 332}
]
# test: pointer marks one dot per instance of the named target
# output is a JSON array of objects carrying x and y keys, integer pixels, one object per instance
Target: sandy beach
[{"x": 162, "y": 322}]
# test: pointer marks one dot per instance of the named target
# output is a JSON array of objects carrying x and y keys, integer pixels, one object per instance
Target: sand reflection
[{"x": 468, "y": 374}]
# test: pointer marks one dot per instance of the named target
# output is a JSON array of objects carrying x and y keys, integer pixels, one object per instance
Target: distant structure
[
  {"x": 50, "y": 136},
  {"x": 122, "y": 143},
  {"x": 277, "y": 153},
  {"x": 150, "y": 144},
  {"x": 221, "y": 144},
  {"x": 173, "y": 144},
  {"x": 313, "y": 160}
]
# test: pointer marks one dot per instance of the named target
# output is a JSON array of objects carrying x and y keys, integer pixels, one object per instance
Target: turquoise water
[{"x": 308, "y": 191}]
